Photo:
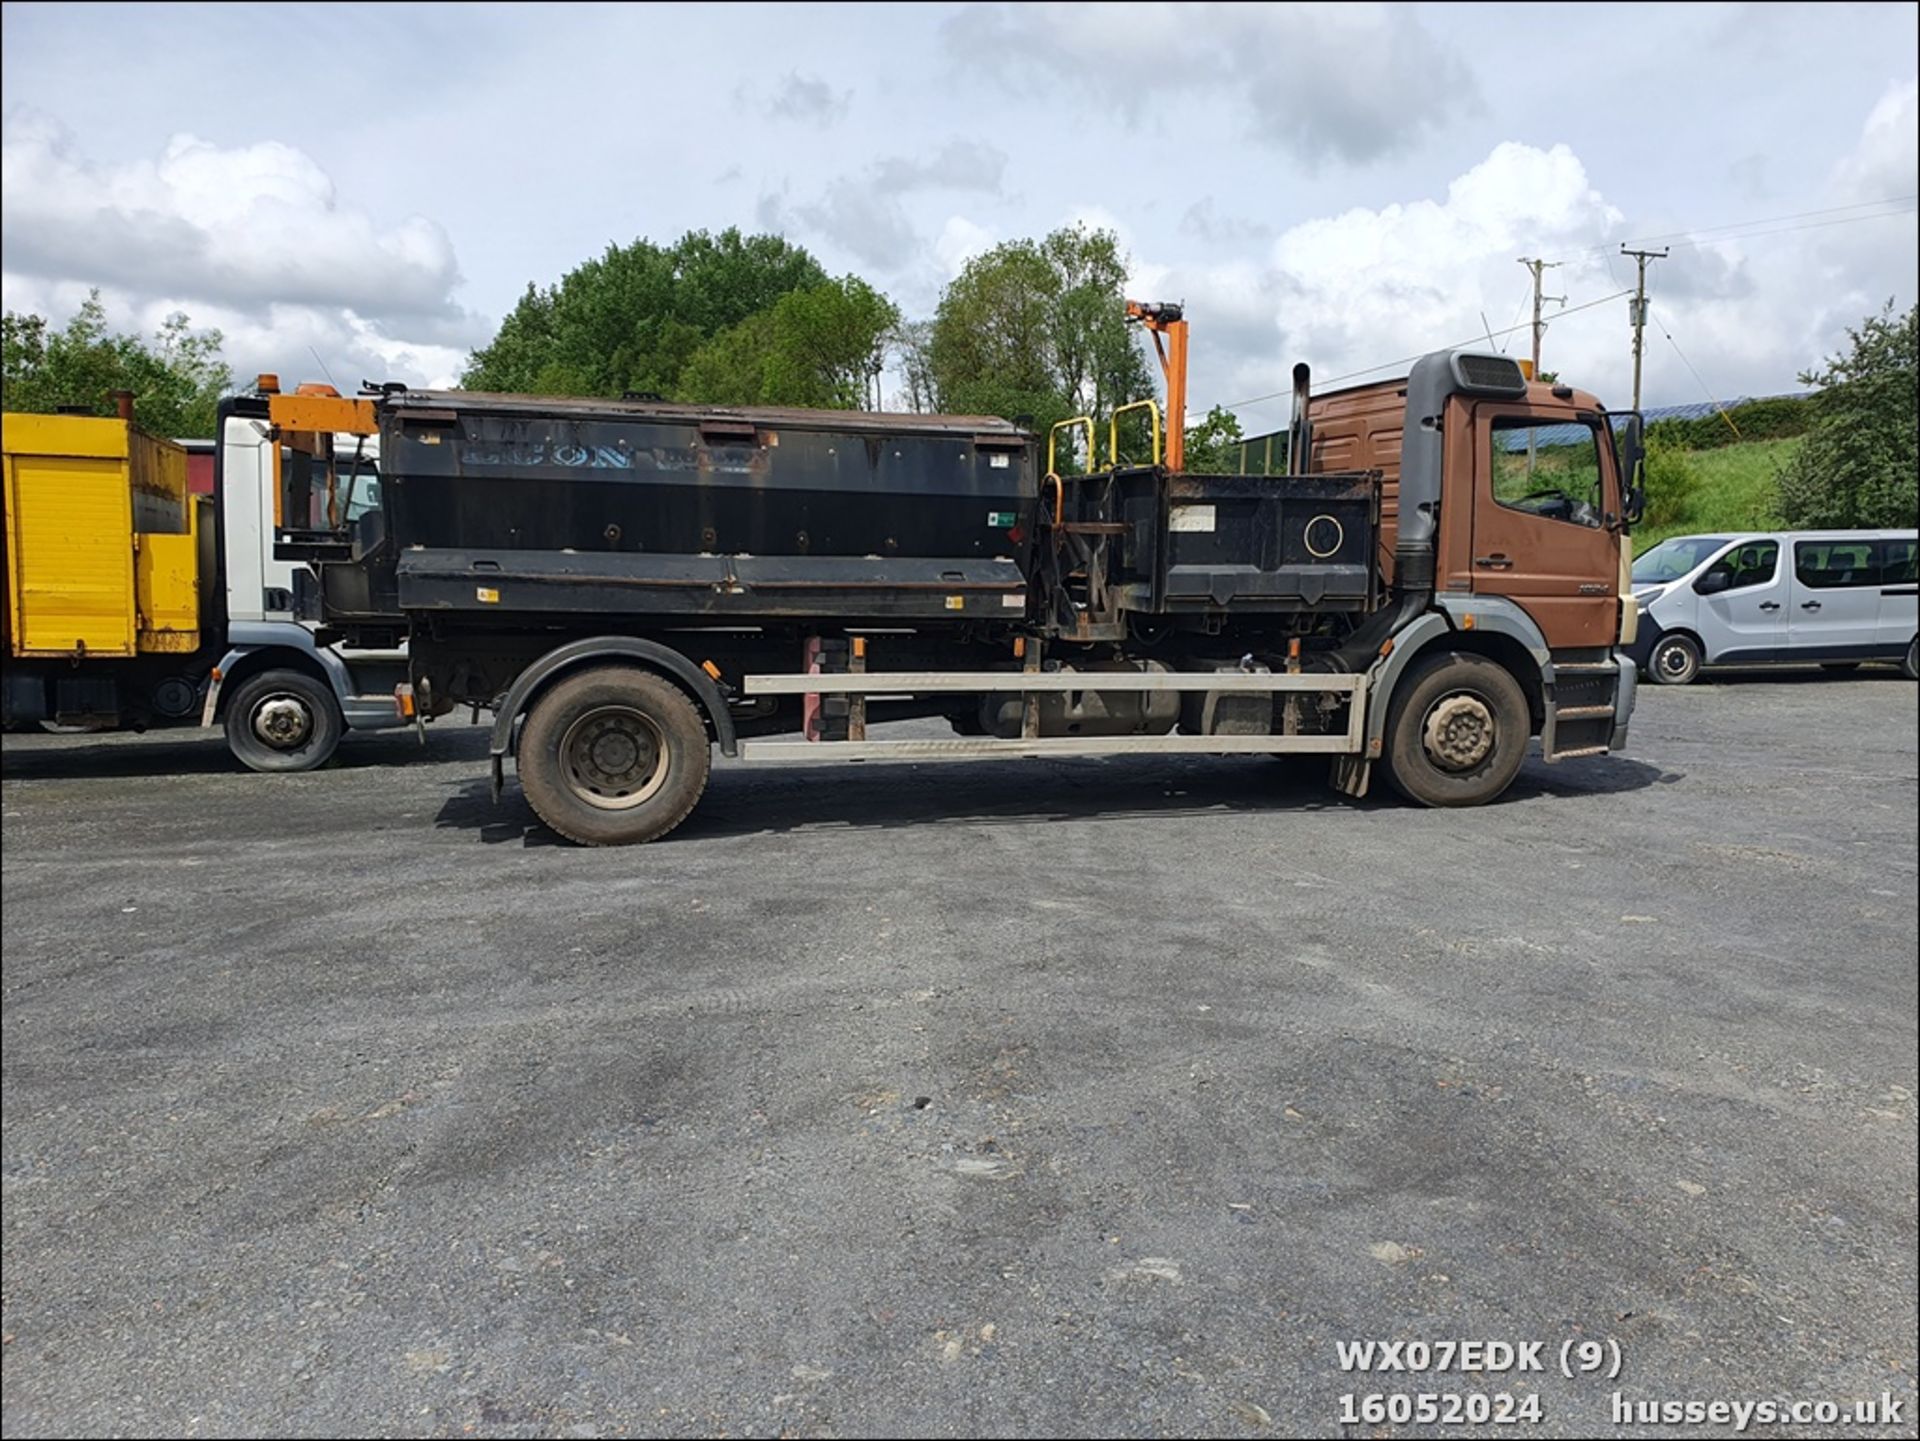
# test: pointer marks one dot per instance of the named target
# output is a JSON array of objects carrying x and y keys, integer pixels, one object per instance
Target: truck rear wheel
[
  {"x": 283, "y": 720},
  {"x": 1457, "y": 731},
  {"x": 614, "y": 756}
]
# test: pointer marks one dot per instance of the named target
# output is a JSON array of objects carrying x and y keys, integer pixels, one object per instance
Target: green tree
[
  {"x": 632, "y": 318},
  {"x": 819, "y": 347},
  {"x": 828, "y": 345},
  {"x": 1858, "y": 464},
  {"x": 911, "y": 345},
  {"x": 177, "y": 378},
  {"x": 1038, "y": 328},
  {"x": 1673, "y": 484},
  {"x": 1213, "y": 446}
]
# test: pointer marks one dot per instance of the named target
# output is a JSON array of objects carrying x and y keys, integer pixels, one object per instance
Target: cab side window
[
  {"x": 1548, "y": 470},
  {"x": 1755, "y": 563},
  {"x": 1834, "y": 564}
]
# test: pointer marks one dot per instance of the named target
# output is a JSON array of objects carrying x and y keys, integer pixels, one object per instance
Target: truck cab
[
  {"x": 1531, "y": 547},
  {"x": 284, "y": 693}
]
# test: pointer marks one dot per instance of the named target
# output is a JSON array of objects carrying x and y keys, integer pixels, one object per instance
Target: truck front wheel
[
  {"x": 614, "y": 756},
  {"x": 283, "y": 720},
  {"x": 1456, "y": 731}
]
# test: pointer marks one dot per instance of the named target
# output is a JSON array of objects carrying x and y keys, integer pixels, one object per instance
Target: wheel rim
[
  {"x": 1675, "y": 661},
  {"x": 283, "y": 720},
  {"x": 614, "y": 757},
  {"x": 1458, "y": 732}
]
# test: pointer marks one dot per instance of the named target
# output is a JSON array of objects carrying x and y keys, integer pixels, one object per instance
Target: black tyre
[
  {"x": 1675, "y": 660},
  {"x": 1456, "y": 731},
  {"x": 614, "y": 756},
  {"x": 283, "y": 720},
  {"x": 1910, "y": 667}
]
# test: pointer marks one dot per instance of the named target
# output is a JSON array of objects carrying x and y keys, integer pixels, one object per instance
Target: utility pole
[
  {"x": 1637, "y": 309},
  {"x": 1538, "y": 267}
]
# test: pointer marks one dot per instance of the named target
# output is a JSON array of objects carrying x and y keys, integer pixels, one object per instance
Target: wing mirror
[
  {"x": 1633, "y": 466},
  {"x": 1713, "y": 582}
]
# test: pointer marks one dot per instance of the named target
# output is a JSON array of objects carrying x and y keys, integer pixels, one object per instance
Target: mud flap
[{"x": 1351, "y": 775}]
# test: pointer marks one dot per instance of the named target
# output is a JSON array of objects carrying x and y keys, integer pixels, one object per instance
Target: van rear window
[
  {"x": 1833, "y": 564},
  {"x": 1898, "y": 561}
]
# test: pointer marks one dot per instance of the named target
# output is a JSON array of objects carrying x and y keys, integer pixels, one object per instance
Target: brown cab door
[{"x": 1545, "y": 513}]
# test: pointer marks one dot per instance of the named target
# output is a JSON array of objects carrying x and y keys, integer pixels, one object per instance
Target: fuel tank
[{"x": 1089, "y": 712}]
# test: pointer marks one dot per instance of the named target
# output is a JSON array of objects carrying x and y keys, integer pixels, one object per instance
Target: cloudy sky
[{"x": 1344, "y": 184}]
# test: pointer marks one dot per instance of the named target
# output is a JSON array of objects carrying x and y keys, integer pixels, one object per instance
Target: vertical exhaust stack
[
  {"x": 1429, "y": 384},
  {"x": 1300, "y": 431}
]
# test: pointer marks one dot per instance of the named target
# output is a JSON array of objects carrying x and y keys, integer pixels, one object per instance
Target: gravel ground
[{"x": 1049, "y": 1097}]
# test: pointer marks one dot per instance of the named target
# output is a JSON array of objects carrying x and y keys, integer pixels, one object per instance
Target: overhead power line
[
  {"x": 1409, "y": 359},
  {"x": 1714, "y": 400},
  {"x": 1676, "y": 239},
  {"x": 1715, "y": 234},
  {"x": 1789, "y": 229}
]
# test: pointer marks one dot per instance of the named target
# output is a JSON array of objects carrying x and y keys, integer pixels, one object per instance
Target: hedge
[{"x": 1775, "y": 418}]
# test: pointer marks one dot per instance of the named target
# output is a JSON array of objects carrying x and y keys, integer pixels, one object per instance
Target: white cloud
[
  {"x": 1352, "y": 290},
  {"x": 959, "y": 241},
  {"x": 808, "y": 99},
  {"x": 254, "y": 239},
  {"x": 956, "y": 165},
  {"x": 866, "y": 214},
  {"x": 1350, "y": 82},
  {"x": 1886, "y": 162},
  {"x": 1368, "y": 286}
]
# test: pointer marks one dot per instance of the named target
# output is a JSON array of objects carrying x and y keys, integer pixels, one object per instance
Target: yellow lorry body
[{"x": 102, "y": 540}]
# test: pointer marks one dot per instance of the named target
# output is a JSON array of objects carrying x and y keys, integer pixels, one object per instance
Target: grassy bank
[{"x": 1728, "y": 489}]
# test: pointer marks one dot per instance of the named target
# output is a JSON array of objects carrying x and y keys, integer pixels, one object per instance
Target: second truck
[
  {"x": 628, "y": 585},
  {"x": 133, "y": 602}
]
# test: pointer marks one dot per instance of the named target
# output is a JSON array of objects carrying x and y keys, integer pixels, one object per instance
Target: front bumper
[
  {"x": 1639, "y": 655},
  {"x": 1624, "y": 695}
]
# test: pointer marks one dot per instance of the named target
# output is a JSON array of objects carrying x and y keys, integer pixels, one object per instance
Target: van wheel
[
  {"x": 1910, "y": 667},
  {"x": 1675, "y": 661},
  {"x": 1456, "y": 731},
  {"x": 614, "y": 756},
  {"x": 282, "y": 721}
]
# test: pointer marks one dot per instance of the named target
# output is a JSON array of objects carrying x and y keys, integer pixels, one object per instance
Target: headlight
[{"x": 1652, "y": 593}]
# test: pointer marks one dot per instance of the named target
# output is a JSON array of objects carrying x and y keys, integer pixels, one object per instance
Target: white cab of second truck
[{"x": 284, "y": 698}]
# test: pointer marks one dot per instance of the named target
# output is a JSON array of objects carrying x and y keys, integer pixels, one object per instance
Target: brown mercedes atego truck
[{"x": 628, "y": 585}]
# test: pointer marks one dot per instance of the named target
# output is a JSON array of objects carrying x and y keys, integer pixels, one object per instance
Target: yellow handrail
[
  {"x": 1152, "y": 409},
  {"x": 1093, "y": 447}
]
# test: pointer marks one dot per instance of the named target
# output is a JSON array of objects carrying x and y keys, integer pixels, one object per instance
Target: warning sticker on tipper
[
  {"x": 998, "y": 462},
  {"x": 1191, "y": 517},
  {"x": 956, "y": 602},
  {"x": 1001, "y": 519}
]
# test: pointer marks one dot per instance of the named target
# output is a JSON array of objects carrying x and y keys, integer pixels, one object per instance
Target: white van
[{"x": 1832, "y": 597}]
